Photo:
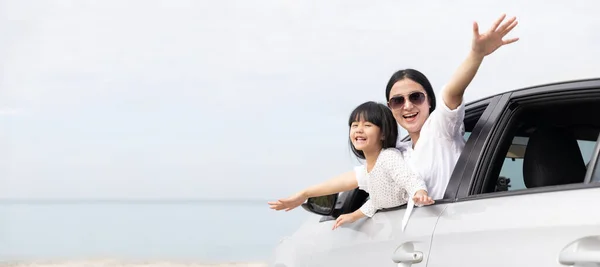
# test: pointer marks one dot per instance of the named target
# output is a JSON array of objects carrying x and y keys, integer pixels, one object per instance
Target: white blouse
[{"x": 390, "y": 183}]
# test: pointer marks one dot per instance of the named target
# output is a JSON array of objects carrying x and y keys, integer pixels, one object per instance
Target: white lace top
[{"x": 390, "y": 183}]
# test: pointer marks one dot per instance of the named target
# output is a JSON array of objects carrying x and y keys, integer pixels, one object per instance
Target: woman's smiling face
[{"x": 414, "y": 110}]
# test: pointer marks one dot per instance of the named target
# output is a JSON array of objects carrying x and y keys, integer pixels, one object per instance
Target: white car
[{"x": 525, "y": 192}]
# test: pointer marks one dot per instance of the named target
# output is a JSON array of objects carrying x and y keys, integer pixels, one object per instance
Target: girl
[{"x": 387, "y": 179}]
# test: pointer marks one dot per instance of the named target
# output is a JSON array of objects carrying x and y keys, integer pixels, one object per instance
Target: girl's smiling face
[
  {"x": 365, "y": 135},
  {"x": 372, "y": 128}
]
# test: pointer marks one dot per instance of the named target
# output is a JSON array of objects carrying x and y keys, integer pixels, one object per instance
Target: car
[{"x": 523, "y": 193}]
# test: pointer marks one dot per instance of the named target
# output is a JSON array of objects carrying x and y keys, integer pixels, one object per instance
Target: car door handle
[
  {"x": 407, "y": 257},
  {"x": 572, "y": 258},
  {"x": 584, "y": 250}
]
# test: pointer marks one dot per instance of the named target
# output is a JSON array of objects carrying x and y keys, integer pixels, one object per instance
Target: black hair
[
  {"x": 380, "y": 115},
  {"x": 417, "y": 77}
]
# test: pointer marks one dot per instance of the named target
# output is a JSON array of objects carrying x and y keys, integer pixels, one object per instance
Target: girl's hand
[
  {"x": 289, "y": 203},
  {"x": 421, "y": 198},
  {"x": 345, "y": 218},
  {"x": 486, "y": 43}
]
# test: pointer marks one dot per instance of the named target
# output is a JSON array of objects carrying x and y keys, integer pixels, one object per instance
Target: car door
[
  {"x": 377, "y": 240},
  {"x": 530, "y": 198}
]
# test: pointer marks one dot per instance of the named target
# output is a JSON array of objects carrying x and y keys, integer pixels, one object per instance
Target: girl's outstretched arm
[
  {"x": 482, "y": 45},
  {"x": 344, "y": 182}
]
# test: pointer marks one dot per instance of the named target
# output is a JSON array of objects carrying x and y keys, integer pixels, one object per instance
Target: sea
[{"x": 206, "y": 231}]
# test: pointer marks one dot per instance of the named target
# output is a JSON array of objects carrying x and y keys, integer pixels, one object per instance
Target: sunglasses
[{"x": 416, "y": 98}]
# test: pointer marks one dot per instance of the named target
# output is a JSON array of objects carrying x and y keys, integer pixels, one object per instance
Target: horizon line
[{"x": 131, "y": 200}]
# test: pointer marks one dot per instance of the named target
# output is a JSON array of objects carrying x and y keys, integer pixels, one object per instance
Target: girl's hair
[
  {"x": 380, "y": 115},
  {"x": 415, "y": 76}
]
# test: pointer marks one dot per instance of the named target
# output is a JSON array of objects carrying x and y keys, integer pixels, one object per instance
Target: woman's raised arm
[{"x": 482, "y": 45}]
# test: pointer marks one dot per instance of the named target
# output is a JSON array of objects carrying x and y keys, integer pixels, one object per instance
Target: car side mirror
[{"x": 323, "y": 205}]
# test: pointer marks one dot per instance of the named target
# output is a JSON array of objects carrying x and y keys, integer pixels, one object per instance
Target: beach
[{"x": 121, "y": 263}]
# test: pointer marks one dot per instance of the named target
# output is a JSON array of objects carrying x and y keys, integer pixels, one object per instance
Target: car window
[
  {"x": 545, "y": 144},
  {"x": 467, "y": 135},
  {"x": 511, "y": 174},
  {"x": 587, "y": 150}
]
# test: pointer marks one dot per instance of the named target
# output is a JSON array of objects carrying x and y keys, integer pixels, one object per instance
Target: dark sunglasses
[{"x": 416, "y": 98}]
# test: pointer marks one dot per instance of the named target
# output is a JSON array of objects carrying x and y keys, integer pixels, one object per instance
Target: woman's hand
[
  {"x": 486, "y": 43},
  {"x": 421, "y": 198},
  {"x": 483, "y": 45},
  {"x": 347, "y": 218},
  {"x": 289, "y": 203}
]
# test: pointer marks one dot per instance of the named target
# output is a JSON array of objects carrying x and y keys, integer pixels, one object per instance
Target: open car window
[{"x": 545, "y": 143}]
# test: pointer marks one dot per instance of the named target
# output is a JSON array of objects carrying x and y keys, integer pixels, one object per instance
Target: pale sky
[{"x": 237, "y": 99}]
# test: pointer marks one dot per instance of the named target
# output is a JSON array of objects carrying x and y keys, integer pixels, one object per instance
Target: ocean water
[{"x": 203, "y": 231}]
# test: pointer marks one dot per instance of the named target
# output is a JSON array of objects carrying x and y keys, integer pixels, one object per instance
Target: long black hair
[
  {"x": 417, "y": 77},
  {"x": 380, "y": 115}
]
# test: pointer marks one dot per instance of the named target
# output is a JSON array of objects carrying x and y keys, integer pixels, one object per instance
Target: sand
[{"x": 120, "y": 263}]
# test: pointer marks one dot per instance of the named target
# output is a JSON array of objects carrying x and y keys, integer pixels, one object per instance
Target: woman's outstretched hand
[
  {"x": 486, "y": 43},
  {"x": 289, "y": 203},
  {"x": 421, "y": 198}
]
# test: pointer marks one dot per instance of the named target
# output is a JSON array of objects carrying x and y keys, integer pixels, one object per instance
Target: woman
[{"x": 436, "y": 135}]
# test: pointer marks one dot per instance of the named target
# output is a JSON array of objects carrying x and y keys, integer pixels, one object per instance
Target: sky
[{"x": 238, "y": 99}]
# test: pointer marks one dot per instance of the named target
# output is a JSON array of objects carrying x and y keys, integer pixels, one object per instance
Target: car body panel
[
  {"x": 366, "y": 242},
  {"x": 521, "y": 230}
]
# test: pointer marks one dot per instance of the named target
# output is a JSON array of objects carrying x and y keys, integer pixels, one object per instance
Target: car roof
[{"x": 568, "y": 84}]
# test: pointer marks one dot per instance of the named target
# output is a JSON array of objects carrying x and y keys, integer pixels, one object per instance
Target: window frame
[
  {"x": 472, "y": 186},
  {"x": 474, "y": 144}
]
